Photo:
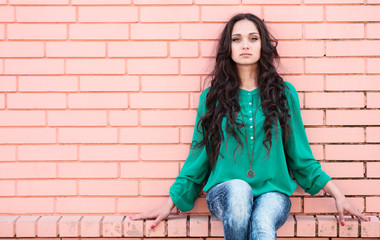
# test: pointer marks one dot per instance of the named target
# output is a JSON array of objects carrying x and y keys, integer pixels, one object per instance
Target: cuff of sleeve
[
  {"x": 181, "y": 205},
  {"x": 319, "y": 184}
]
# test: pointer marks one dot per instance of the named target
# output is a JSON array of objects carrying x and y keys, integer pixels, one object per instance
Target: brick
[
  {"x": 294, "y": 14},
  {"x": 148, "y": 170},
  {"x": 372, "y": 100},
  {"x": 353, "y": 13},
  {"x": 100, "y": 2},
  {"x": 350, "y": 48},
  {"x": 332, "y": 1},
  {"x": 157, "y": 231},
  {"x": 75, "y": 49},
  {"x": 37, "y": 32},
  {"x": 159, "y": 100},
  {"x": 95, "y": 66},
  {"x": 108, "y": 152},
  {"x": 352, "y": 152},
  {"x": 28, "y": 170},
  {"x": 184, "y": 49},
  {"x": 370, "y": 228},
  {"x": 164, "y": 152},
  {"x": 90, "y": 226},
  {"x": 305, "y": 226},
  {"x": 165, "y": 2},
  {"x": 138, "y": 205},
  {"x": 21, "y": 49},
  {"x": 209, "y": 48},
  {"x": 373, "y": 169},
  {"x": 167, "y": 117},
  {"x": 18, "y": 205},
  {"x": 124, "y": 118},
  {"x": 200, "y": 207},
  {"x": 133, "y": 228},
  {"x": 2, "y": 101},
  {"x": 26, "y": 226},
  {"x": 2, "y": 31},
  {"x": 46, "y": 187},
  {"x": 334, "y": 30},
  {"x": 288, "y": 228},
  {"x": 373, "y": 30},
  {"x": 47, "y": 226},
  {"x": 69, "y": 226},
  {"x": 306, "y": 82},
  {"x": 87, "y": 170},
  {"x": 7, "y": 226},
  {"x": 108, "y": 187},
  {"x": 170, "y": 83},
  {"x": 48, "y": 84},
  {"x": 291, "y": 66},
  {"x": 373, "y": 65},
  {"x": 350, "y": 228},
  {"x": 201, "y": 31},
  {"x": 137, "y": 49},
  {"x": 112, "y": 226},
  {"x": 154, "y": 31},
  {"x": 152, "y": 66},
  {"x": 98, "y": 100},
  {"x": 344, "y": 170},
  {"x": 312, "y": 117},
  {"x": 216, "y": 227},
  {"x": 109, "y": 83},
  {"x": 107, "y": 14},
  {"x": 271, "y": 1},
  {"x": 36, "y": 100},
  {"x": 7, "y": 14},
  {"x": 22, "y": 118},
  {"x": 334, "y": 65},
  {"x": 334, "y": 100},
  {"x": 335, "y": 135},
  {"x": 285, "y": 30},
  {"x": 372, "y": 204},
  {"x": 99, "y": 31},
  {"x": 352, "y": 117},
  {"x": 34, "y": 66},
  {"x": 217, "y": 2},
  {"x": 186, "y": 135},
  {"x": 327, "y": 226},
  {"x": 353, "y": 82},
  {"x": 39, "y": 2},
  {"x": 301, "y": 48},
  {"x": 7, "y": 83},
  {"x": 197, "y": 66},
  {"x": 77, "y": 118},
  {"x": 198, "y": 226},
  {"x": 177, "y": 226},
  {"x": 27, "y": 135},
  {"x": 86, "y": 205},
  {"x": 355, "y": 187},
  {"x": 8, "y": 188},
  {"x": 169, "y": 14},
  {"x": 47, "y": 152},
  {"x": 327, "y": 205},
  {"x": 155, "y": 187},
  {"x": 149, "y": 135},
  {"x": 46, "y": 14},
  {"x": 224, "y": 13}
]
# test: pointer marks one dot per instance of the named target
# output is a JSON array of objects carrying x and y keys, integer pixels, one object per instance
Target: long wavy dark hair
[{"x": 223, "y": 97}]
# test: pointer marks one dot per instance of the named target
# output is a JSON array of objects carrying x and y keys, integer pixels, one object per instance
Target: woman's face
[{"x": 245, "y": 43}]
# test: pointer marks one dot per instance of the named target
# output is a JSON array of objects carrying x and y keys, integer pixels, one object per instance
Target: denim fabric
[{"x": 244, "y": 216}]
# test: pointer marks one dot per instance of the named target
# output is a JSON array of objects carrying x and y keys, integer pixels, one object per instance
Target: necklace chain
[{"x": 250, "y": 173}]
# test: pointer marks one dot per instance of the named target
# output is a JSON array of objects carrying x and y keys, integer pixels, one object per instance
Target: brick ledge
[{"x": 175, "y": 226}]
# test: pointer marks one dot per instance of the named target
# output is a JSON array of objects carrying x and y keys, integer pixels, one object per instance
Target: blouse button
[
  {"x": 250, "y": 119},
  {"x": 250, "y": 111},
  {"x": 250, "y": 103},
  {"x": 251, "y": 126},
  {"x": 249, "y": 93},
  {"x": 251, "y": 137}
]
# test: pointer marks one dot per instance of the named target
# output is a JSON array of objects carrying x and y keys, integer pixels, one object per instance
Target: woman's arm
[{"x": 342, "y": 204}]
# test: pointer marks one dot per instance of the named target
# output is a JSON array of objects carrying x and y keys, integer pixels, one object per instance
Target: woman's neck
[{"x": 248, "y": 77}]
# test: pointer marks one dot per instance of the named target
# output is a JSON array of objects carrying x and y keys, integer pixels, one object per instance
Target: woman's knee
[{"x": 240, "y": 198}]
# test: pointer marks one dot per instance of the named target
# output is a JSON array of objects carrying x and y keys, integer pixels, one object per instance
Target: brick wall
[{"x": 98, "y": 97}]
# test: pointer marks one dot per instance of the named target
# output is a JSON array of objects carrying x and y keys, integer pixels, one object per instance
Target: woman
[{"x": 248, "y": 136}]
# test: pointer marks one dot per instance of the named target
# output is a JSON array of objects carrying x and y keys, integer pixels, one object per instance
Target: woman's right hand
[{"x": 159, "y": 214}]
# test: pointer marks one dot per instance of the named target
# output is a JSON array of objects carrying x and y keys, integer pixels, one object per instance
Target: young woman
[{"x": 248, "y": 137}]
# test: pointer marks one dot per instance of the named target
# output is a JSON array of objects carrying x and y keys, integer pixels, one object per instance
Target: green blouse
[{"x": 271, "y": 173}]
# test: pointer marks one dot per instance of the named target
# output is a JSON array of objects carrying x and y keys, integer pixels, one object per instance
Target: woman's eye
[
  {"x": 254, "y": 39},
  {"x": 235, "y": 39}
]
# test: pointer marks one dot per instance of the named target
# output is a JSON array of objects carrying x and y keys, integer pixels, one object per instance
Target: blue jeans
[{"x": 246, "y": 217}]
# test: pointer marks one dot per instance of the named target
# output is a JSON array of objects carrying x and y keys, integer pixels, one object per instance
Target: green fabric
[{"x": 271, "y": 173}]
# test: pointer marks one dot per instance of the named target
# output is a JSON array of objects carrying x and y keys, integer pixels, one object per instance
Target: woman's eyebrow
[{"x": 238, "y": 34}]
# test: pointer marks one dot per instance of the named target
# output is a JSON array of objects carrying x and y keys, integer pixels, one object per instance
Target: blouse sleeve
[
  {"x": 305, "y": 168},
  {"x": 188, "y": 183}
]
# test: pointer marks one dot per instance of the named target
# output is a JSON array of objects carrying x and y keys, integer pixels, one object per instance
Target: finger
[
  {"x": 341, "y": 218},
  {"x": 144, "y": 215},
  {"x": 359, "y": 214},
  {"x": 157, "y": 221}
]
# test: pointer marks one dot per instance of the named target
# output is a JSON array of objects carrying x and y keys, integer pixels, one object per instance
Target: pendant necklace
[{"x": 250, "y": 173}]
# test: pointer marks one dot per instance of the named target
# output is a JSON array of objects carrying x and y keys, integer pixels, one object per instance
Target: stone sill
[{"x": 95, "y": 226}]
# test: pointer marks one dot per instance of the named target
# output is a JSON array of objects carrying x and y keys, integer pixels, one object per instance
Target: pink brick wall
[{"x": 98, "y": 97}]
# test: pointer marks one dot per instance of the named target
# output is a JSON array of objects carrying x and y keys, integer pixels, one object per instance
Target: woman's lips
[{"x": 245, "y": 54}]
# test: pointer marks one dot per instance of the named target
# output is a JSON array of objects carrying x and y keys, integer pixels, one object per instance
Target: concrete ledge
[{"x": 198, "y": 226}]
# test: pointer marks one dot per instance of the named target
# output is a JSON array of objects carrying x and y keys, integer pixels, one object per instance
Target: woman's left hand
[{"x": 343, "y": 206}]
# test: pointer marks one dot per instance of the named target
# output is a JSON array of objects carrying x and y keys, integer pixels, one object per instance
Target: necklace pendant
[{"x": 251, "y": 173}]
